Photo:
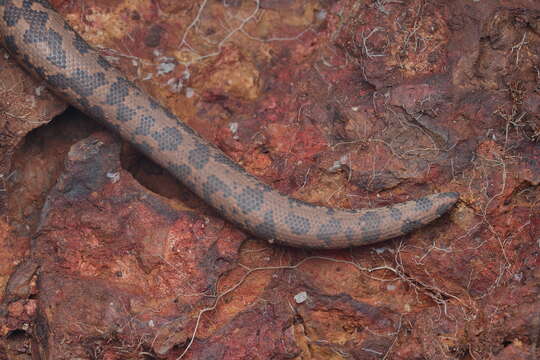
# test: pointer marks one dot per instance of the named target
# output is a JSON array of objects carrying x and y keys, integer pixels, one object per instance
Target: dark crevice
[
  {"x": 38, "y": 162},
  {"x": 155, "y": 178}
]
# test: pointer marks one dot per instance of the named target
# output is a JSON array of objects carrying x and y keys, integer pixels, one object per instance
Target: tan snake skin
[{"x": 39, "y": 38}]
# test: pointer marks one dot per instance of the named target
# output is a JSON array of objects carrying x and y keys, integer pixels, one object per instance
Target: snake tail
[{"x": 43, "y": 43}]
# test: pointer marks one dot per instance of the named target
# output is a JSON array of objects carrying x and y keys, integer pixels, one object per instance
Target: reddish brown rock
[{"x": 340, "y": 103}]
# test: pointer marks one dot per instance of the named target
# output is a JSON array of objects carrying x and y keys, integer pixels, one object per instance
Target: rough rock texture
[{"x": 343, "y": 103}]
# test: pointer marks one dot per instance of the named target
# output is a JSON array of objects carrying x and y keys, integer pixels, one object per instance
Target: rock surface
[{"x": 342, "y": 103}]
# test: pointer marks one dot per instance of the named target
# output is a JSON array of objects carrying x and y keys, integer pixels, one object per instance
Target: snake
[{"x": 44, "y": 44}]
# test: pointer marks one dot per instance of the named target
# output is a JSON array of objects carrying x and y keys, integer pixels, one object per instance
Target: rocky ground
[{"x": 343, "y": 103}]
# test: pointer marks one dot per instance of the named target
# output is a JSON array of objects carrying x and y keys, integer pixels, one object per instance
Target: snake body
[{"x": 39, "y": 38}]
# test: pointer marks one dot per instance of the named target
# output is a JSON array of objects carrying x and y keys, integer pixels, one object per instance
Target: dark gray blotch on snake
[
  {"x": 299, "y": 225},
  {"x": 146, "y": 122},
  {"x": 199, "y": 156},
  {"x": 249, "y": 200},
  {"x": 168, "y": 138}
]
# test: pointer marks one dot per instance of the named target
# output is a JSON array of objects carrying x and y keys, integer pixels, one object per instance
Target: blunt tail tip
[{"x": 449, "y": 199}]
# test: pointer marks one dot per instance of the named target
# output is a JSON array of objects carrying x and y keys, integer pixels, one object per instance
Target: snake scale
[{"x": 44, "y": 44}]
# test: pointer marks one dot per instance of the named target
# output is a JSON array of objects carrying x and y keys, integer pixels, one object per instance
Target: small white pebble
[
  {"x": 175, "y": 85},
  {"x": 151, "y": 323},
  {"x": 391, "y": 287},
  {"x": 39, "y": 90},
  {"x": 335, "y": 166},
  {"x": 380, "y": 250},
  {"x": 115, "y": 177},
  {"x": 300, "y": 297},
  {"x": 165, "y": 68},
  {"x": 148, "y": 77},
  {"x": 321, "y": 15},
  {"x": 233, "y": 126},
  {"x": 234, "y": 129},
  {"x": 190, "y": 92}
]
